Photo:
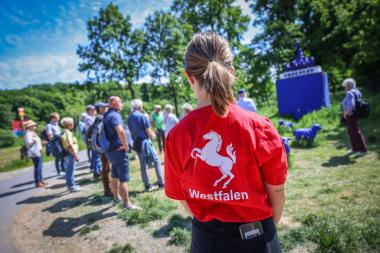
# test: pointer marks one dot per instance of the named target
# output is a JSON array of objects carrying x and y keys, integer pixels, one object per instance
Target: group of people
[{"x": 225, "y": 164}]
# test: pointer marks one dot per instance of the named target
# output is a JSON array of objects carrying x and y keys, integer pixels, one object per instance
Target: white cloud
[
  {"x": 17, "y": 72},
  {"x": 47, "y": 54}
]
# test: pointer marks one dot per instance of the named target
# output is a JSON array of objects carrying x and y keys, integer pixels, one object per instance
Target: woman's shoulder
[{"x": 254, "y": 119}]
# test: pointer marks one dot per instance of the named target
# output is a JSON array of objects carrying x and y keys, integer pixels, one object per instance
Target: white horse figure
[{"x": 209, "y": 154}]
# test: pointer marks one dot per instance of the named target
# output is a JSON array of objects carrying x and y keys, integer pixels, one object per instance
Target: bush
[{"x": 7, "y": 139}]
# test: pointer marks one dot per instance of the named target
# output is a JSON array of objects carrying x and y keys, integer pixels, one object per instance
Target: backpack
[
  {"x": 99, "y": 141},
  {"x": 44, "y": 135},
  {"x": 57, "y": 149},
  {"x": 361, "y": 109}
]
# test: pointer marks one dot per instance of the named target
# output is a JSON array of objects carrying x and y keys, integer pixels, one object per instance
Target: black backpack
[
  {"x": 57, "y": 149},
  {"x": 361, "y": 109}
]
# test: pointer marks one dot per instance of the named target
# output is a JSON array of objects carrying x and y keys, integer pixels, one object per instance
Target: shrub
[{"x": 7, "y": 139}]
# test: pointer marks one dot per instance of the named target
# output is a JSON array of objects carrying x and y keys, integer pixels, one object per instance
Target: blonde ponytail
[{"x": 209, "y": 59}]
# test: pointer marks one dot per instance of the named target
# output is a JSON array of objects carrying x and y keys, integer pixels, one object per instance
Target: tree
[
  {"x": 166, "y": 40},
  {"x": 220, "y": 16},
  {"x": 343, "y": 36},
  {"x": 6, "y": 116},
  {"x": 114, "y": 51}
]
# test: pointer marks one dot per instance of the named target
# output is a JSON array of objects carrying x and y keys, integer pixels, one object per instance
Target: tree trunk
[
  {"x": 175, "y": 101},
  {"x": 130, "y": 88}
]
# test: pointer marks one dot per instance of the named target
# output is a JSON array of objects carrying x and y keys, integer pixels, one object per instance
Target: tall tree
[
  {"x": 342, "y": 35},
  {"x": 114, "y": 51},
  {"x": 221, "y": 16},
  {"x": 166, "y": 40}
]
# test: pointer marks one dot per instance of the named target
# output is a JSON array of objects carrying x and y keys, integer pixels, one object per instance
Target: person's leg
[
  {"x": 89, "y": 155},
  {"x": 39, "y": 169},
  {"x": 69, "y": 165},
  {"x": 159, "y": 140},
  {"x": 116, "y": 189},
  {"x": 35, "y": 164},
  {"x": 356, "y": 137},
  {"x": 96, "y": 166},
  {"x": 112, "y": 158},
  {"x": 106, "y": 175},
  {"x": 57, "y": 167},
  {"x": 163, "y": 139},
  {"x": 157, "y": 166},
  {"x": 123, "y": 171},
  {"x": 143, "y": 171},
  {"x": 62, "y": 162}
]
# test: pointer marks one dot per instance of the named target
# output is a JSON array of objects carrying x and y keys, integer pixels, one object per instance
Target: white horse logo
[{"x": 209, "y": 154}]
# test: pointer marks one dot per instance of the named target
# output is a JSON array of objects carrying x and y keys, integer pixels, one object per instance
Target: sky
[{"x": 39, "y": 38}]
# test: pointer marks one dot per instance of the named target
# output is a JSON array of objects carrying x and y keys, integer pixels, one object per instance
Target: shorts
[{"x": 120, "y": 164}]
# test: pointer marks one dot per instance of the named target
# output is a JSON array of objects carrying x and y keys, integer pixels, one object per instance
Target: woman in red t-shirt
[{"x": 226, "y": 165}]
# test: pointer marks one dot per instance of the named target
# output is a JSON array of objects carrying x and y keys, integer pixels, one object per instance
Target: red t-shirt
[{"x": 219, "y": 165}]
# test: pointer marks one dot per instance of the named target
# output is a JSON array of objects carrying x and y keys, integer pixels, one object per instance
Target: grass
[
  {"x": 122, "y": 249},
  {"x": 87, "y": 229},
  {"x": 180, "y": 237},
  {"x": 152, "y": 209}
]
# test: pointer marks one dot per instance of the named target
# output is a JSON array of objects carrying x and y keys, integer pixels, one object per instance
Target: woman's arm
[{"x": 276, "y": 195}]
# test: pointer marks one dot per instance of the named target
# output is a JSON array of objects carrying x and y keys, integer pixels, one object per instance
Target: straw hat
[{"x": 30, "y": 123}]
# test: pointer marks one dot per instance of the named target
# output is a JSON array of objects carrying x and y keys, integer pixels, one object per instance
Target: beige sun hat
[{"x": 30, "y": 123}]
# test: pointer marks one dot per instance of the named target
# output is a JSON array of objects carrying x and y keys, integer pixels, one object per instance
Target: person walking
[
  {"x": 157, "y": 121},
  {"x": 142, "y": 144},
  {"x": 53, "y": 130},
  {"x": 70, "y": 156},
  {"x": 101, "y": 109},
  {"x": 34, "y": 146},
  {"x": 186, "y": 109},
  {"x": 170, "y": 120},
  {"x": 357, "y": 140},
  {"x": 226, "y": 165},
  {"x": 89, "y": 120},
  {"x": 245, "y": 102},
  {"x": 118, "y": 152}
]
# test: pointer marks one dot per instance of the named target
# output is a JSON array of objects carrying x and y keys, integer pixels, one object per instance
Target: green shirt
[{"x": 158, "y": 120}]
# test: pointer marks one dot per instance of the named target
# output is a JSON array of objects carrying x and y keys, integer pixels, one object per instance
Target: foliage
[
  {"x": 166, "y": 40},
  {"x": 7, "y": 139},
  {"x": 341, "y": 35},
  {"x": 220, "y": 16},
  {"x": 115, "y": 50},
  {"x": 6, "y": 116}
]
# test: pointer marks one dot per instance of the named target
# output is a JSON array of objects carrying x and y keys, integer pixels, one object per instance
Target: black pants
[
  {"x": 224, "y": 237},
  {"x": 161, "y": 139}
]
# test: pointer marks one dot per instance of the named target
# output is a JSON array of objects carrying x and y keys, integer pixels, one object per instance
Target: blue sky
[{"x": 39, "y": 38}]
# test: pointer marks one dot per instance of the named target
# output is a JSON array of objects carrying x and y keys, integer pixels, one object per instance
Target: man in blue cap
[{"x": 245, "y": 102}]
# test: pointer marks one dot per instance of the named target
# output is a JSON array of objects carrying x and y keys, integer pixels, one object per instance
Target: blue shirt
[
  {"x": 247, "y": 104},
  {"x": 53, "y": 129},
  {"x": 349, "y": 100},
  {"x": 111, "y": 119},
  {"x": 138, "y": 123}
]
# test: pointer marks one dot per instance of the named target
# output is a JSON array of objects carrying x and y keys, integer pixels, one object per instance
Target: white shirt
[
  {"x": 88, "y": 121},
  {"x": 33, "y": 144},
  {"x": 247, "y": 104},
  {"x": 170, "y": 120}
]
